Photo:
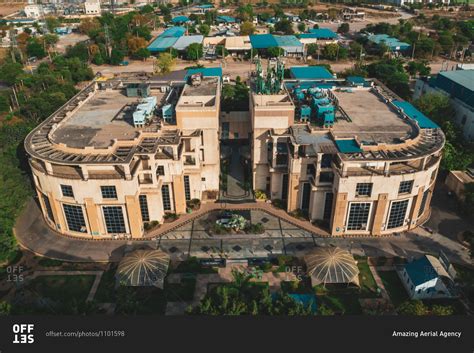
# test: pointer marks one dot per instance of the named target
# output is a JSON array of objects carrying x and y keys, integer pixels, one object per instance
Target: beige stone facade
[
  {"x": 97, "y": 175},
  {"x": 382, "y": 188}
]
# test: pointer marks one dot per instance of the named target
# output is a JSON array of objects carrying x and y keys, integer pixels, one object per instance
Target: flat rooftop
[
  {"x": 371, "y": 119},
  {"x": 203, "y": 94},
  {"x": 269, "y": 100},
  {"x": 106, "y": 116}
]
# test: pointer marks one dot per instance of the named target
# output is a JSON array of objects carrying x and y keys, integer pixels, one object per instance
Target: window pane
[
  {"x": 405, "y": 187},
  {"x": 67, "y": 191},
  {"x": 165, "y": 195},
  {"x": 358, "y": 216},
  {"x": 114, "y": 221},
  {"x": 144, "y": 208},
  {"x": 328, "y": 205},
  {"x": 187, "y": 188},
  {"x": 397, "y": 214},
  {"x": 47, "y": 205},
  {"x": 423, "y": 202},
  {"x": 364, "y": 189},
  {"x": 75, "y": 218},
  {"x": 108, "y": 192}
]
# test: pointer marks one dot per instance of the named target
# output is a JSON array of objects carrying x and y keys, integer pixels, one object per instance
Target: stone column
[
  {"x": 293, "y": 187},
  {"x": 92, "y": 216},
  {"x": 58, "y": 214},
  {"x": 380, "y": 207},
  {"x": 339, "y": 214},
  {"x": 178, "y": 194},
  {"x": 134, "y": 216}
]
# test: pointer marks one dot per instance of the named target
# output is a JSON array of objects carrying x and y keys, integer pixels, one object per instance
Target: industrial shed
[{"x": 185, "y": 41}]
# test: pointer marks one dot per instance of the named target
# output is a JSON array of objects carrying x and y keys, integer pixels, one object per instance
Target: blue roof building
[
  {"x": 180, "y": 19},
  {"x": 262, "y": 41},
  {"x": 310, "y": 73},
  {"x": 393, "y": 43},
  {"x": 226, "y": 19},
  {"x": 290, "y": 44},
  {"x": 205, "y": 71},
  {"x": 320, "y": 33},
  {"x": 166, "y": 39},
  {"x": 426, "y": 278}
]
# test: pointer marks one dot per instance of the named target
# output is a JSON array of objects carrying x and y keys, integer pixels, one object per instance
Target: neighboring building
[
  {"x": 238, "y": 45},
  {"x": 92, "y": 7},
  {"x": 34, "y": 11},
  {"x": 459, "y": 86},
  {"x": 320, "y": 36},
  {"x": 166, "y": 39},
  {"x": 428, "y": 278},
  {"x": 406, "y": 2},
  {"x": 352, "y": 156},
  {"x": 98, "y": 175},
  {"x": 457, "y": 180},
  {"x": 351, "y": 14},
  {"x": 290, "y": 44},
  {"x": 394, "y": 44}
]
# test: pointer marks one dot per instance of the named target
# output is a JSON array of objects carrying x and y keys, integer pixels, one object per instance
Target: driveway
[{"x": 192, "y": 239}]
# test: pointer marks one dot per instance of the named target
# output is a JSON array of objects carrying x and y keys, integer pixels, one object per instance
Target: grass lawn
[
  {"x": 340, "y": 298},
  {"x": 62, "y": 288},
  {"x": 394, "y": 287},
  {"x": 368, "y": 287},
  {"x": 106, "y": 290}
]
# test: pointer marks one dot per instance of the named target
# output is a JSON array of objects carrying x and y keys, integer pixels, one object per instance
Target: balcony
[{"x": 189, "y": 161}]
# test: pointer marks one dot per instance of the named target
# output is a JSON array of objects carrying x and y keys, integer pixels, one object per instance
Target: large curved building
[
  {"x": 349, "y": 154},
  {"x": 125, "y": 151}
]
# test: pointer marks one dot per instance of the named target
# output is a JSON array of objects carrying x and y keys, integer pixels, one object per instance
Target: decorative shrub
[
  {"x": 171, "y": 216},
  {"x": 260, "y": 195},
  {"x": 254, "y": 228},
  {"x": 151, "y": 225},
  {"x": 278, "y": 203},
  {"x": 194, "y": 204}
]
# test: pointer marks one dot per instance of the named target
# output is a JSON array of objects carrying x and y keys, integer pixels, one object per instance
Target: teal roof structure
[
  {"x": 423, "y": 121},
  {"x": 322, "y": 33},
  {"x": 287, "y": 41},
  {"x": 421, "y": 271},
  {"x": 393, "y": 43},
  {"x": 226, "y": 19},
  {"x": 166, "y": 39},
  {"x": 356, "y": 80},
  {"x": 263, "y": 41},
  {"x": 458, "y": 84},
  {"x": 348, "y": 146},
  {"x": 180, "y": 19},
  {"x": 310, "y": 73},
  {"x": 205, "y": 71},
  {"x": 176, "y": 31},
  {"x": 206, "y": 6}
]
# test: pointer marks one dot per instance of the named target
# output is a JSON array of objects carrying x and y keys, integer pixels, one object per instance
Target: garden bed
[{"x": 394, "y": 287}]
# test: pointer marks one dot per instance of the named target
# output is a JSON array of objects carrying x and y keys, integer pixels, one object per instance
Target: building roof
[
  {"x": 310, "y": 72},
  {"x": 176, "y": 31},
  {"x": 161, "y": 44},
  {"x": 185, "y": 41},
  {"x": 143, "y": 268},
  {"x": 423, "y": 121},
  {"x": 331, "y": 265},
  {"x": 348, "y": 146},
  {"x": 391, "y": 42},
  {"x": 205, "y": 71},
  {"x": 458, "y": 84},
  {"x": 424, "y": 269},
  {"x": 226, "y": 19},
  {"x": 322, "y": 33},
  {"x": 356, "y": 80},
  {"x": 238, "y": 43},
  {"x": 287, "y": 41},
  {"x": 180, "y": 19},
  {"x": 205, "y": 6},
  {"x": 263, "y": 41}
]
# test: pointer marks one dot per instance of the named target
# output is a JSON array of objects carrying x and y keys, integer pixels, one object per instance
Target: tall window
[
  {"x": 397, "y": 214},
  {"x": 423, "y": 202},
  {"x": 47, "y": 206},
  {"x": 326, "y": 160},
  {"x": 108, "y": 192},
  {"x": 66, "y": 190},
  {"x": 144, "y": 208},
  {"x": 364, "y": 189},
  {"x": 165, "y": 195},
  {"x": 160, "y": 170},
  {"x": 114, "y": 221},
  {"x": 187, "y": 188},
  {"x": 405, "y": 187},
  {"x": 306, "y": 196},
  {"x": 75, "y": 218},
  {"x": 358, "y": 216},
  {"x": 328, "y": 205}
]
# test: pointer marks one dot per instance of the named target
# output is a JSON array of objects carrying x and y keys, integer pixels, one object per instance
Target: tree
[
  {"x": 301, "y": 27},
  {"x": 52, "y": 23},
  {"x": 247, "y": 28},
  {"x": 442, "y": 310},
  {"x": 88, "y": 25},
  {"x": 312, "y": 49},
  {"x": 343, "y": 28},
  {"x": 5, "y": 308},
  {"x": 194, "y": 51},
  {"x": 116, "y": 56},
  {"x": 436, "y": 106},
  {"x": 330, "y": 51},
  {"x": 274, "y": 52},
  {"x": 35, "y": 48},
  {"x": 142, "y": 53},
  {"x": 413, "y": 307},
  {"x": 10, "y": 71},
  {"x": 284, "y": 26},
  {"x": 135, "y": 43},
  {"x": 421, "y": 68},
  {"x": 165, "y": 62},
  {"x": 316, "y": 26},
  {"x": 204, "y": 29},
  {"x": 80, "y": 50},
  {"x": 356, "y": 50}
]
